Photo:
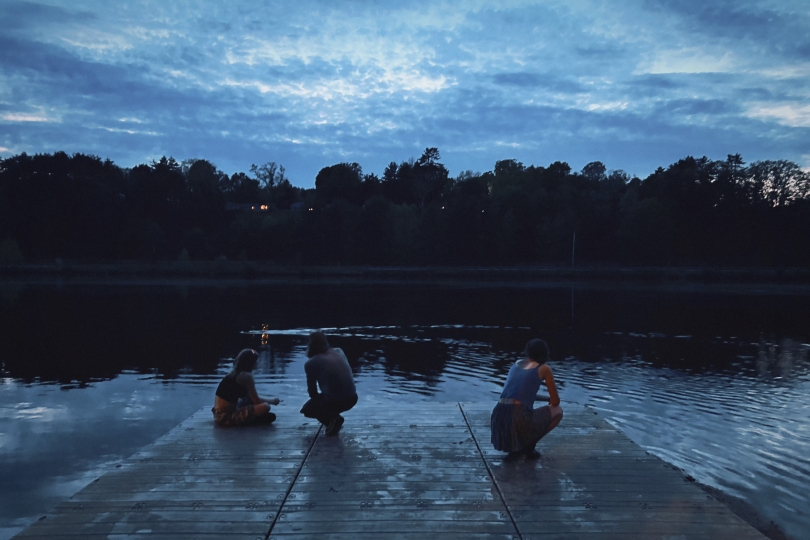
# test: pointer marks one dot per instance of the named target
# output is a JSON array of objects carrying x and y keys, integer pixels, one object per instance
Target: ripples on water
[{"x": 732, "y": 412}]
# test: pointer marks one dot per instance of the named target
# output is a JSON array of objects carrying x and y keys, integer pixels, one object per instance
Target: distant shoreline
[{"x": 265, "y": 272}]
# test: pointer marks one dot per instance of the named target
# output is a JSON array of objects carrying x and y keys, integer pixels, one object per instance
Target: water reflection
[
  {"x": 716, "y": 384},
  {"x": 786, "y": 359},
  {"x": 55, "y": 441}
]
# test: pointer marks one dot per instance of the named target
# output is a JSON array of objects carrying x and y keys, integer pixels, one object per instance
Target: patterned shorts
[{"x": 234, "y": 417}]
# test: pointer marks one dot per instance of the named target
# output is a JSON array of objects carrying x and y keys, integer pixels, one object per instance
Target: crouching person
[
  {"x": 328, "y": 369},
  {"x": 516, "y": 425}
]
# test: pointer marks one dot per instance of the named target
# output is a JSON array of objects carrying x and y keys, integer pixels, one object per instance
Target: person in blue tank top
[
  {"x": 515, "y": 424},
  {"x": 236, "y": 402}
]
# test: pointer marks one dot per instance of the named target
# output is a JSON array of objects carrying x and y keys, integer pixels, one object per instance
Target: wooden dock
[{"x": 415, "y": 471}]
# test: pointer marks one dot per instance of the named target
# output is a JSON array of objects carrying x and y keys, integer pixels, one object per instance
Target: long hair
[{"x": 245, "y": 361}]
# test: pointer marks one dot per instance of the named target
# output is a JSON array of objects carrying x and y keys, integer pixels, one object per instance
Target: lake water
[{"x": 714, "y": 381}]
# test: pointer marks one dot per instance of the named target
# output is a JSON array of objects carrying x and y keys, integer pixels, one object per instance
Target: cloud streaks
[{"x": 636, "y": 84}]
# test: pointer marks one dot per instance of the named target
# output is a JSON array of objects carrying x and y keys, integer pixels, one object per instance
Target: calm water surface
[{"x": 717, "y": 383}]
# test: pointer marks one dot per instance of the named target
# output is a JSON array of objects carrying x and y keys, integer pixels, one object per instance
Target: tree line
[{"x": 694, "y": 212}]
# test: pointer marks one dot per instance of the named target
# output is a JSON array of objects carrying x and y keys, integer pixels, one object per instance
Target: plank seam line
[
  {"x": 489, "y": 471},
  {"x": 292, "y": 483}
]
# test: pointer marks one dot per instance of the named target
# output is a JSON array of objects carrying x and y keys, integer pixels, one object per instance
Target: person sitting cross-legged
[
  {"x": 328, "y": 369},
  {"x": 236, "y": 402}
]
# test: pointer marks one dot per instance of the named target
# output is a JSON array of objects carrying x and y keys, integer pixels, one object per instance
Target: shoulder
[
  {"x": 244, "y": 377},
  {"x": 543, "y": 370},
  {"x": 313, "y": 362}
]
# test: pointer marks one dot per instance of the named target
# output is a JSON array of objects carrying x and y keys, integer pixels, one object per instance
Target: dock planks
[{"x": 412, "y": 471}]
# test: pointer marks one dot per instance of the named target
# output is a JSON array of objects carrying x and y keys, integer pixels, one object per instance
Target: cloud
[
  {"x": 34, "y": 15},
  {"x": 779, "y": 28},
  {"x": 313, "y": 83},
  {"x": 538, "y": 80},
  {"x": 787, "y": 114},
  {"x": 25, "y": 117},
  {"x": 691, "y": 107}
]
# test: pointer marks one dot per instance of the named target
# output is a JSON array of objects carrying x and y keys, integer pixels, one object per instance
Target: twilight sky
[{"x": 636, "y": 84}]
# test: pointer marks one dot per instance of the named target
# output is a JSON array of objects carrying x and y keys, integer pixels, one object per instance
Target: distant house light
[{"x": 243, "y": 207}]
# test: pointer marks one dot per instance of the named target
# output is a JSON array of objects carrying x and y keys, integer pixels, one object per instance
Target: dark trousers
[{"x": 325, "y": 409}]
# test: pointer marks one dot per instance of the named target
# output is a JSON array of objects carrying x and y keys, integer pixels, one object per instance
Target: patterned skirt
[{"x": 516, "y": 427}]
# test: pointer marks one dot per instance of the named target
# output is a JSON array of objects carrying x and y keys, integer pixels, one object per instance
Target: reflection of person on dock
[
  {"x": 516, "y": 426},
  {"x": 236, "y": 402},
  {"x": 328, "y": 369}
]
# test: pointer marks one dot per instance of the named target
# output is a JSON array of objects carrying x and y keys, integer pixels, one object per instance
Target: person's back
[
  {"x": 332, "y": 373},
  {"x": 328, "y": 369},
  {"x": 521, "y": 385}
]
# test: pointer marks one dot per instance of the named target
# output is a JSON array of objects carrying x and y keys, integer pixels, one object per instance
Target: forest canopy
[{"x": 694, "y": 212}]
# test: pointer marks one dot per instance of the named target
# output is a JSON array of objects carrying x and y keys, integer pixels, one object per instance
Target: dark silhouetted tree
[
  {"x": 341, "y": 181},
  {"x": 428, "y": 177},
  {"x": 594, "y": 171}
]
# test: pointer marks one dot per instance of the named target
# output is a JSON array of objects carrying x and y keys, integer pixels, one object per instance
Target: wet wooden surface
[{"x": 413, "y": 471}]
